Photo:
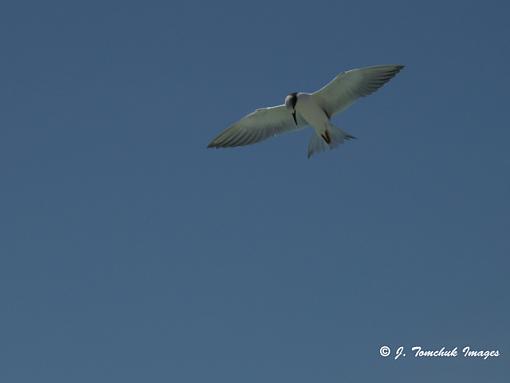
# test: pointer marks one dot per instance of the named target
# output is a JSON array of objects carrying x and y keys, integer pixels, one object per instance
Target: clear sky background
[{"x": 131, "y": 253}]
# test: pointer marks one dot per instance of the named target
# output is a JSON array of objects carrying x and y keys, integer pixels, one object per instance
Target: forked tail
[{"x": 330, "y": 139}]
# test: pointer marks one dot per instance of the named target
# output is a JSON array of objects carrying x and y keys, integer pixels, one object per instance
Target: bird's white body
[
  {"x": 313, "y": 109},
  {"x": 312, "y": 113}
]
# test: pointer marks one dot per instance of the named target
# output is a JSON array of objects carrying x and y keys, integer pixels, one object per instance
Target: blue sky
[{"x": 129, "y": 252}]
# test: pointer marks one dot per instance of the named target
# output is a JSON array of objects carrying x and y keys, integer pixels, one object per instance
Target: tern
[{"x": 309, "y": 109}]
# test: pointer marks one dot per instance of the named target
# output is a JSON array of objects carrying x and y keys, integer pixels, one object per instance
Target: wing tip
[
  {"x": 221, "y": 141},
  {"x": 217, "y": 145},
  {"x": 213, "y": 144},
  {"x": 390, "y": 68}
]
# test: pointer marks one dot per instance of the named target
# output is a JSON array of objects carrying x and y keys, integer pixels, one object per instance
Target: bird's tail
[{"x": 331, "y": 139}]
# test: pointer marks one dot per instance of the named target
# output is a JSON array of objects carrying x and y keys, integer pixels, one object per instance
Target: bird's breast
[{"x": 311, "y": 112}]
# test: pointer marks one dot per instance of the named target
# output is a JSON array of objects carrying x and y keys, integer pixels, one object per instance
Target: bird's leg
[{"x": 326, "y": 137}]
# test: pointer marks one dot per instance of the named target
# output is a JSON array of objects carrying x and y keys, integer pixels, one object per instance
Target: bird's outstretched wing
[
  {"x": 350, "y": 85},
  {"x": 258, "y": 126}
]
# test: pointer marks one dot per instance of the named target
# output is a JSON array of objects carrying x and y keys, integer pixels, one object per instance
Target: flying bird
[{"x": 309, "y": 109}]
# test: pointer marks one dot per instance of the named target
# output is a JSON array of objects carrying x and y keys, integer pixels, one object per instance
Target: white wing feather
[
  {"x": 257, "y": 126},
  {"x": 348, "y": 86}
]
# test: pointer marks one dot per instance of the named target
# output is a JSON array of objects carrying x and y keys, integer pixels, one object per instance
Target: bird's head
[{"x": 290, "y": 103}]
